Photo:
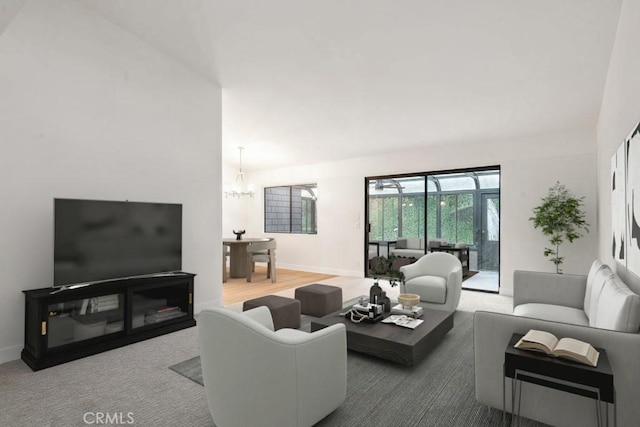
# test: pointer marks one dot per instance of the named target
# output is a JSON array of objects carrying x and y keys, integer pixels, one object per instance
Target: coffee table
[{"x": 389, "y": 341}]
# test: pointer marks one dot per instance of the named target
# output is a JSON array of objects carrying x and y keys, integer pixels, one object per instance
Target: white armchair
[
  {"x": 437, "y": 278},
  {"x": 255, "y": 376}
]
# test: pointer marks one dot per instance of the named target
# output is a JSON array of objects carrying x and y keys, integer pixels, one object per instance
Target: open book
[
  {"x": 568, "y": 348},
  {"x": 402, "y": 320}
]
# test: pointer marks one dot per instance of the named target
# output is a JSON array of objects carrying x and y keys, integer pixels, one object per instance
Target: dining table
[{"x": 238, "y": 254}]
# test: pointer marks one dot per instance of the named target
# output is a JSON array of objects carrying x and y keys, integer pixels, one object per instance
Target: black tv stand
[
  {"x": 80, "y": 285},
  {"x": 90, "y": 318}
]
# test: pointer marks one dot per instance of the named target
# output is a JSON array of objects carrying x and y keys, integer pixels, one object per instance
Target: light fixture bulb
[{"x": 238, "y": 189}]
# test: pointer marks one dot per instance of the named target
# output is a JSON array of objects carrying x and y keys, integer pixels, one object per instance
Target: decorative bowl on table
[{"x": 408, "y": 300}]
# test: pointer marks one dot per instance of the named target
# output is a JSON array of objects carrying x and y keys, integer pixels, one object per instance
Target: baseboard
[
  {"x": 9, "y": 354},
  {"x": 321, "y": 270}
]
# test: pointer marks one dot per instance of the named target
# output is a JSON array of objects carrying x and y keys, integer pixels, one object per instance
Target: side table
[{"x": 560, "y": 374}]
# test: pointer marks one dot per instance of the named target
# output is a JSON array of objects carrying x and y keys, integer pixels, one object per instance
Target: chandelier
[{"x": 239, "y": 189}]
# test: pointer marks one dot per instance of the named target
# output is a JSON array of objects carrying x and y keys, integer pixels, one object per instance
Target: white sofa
[
  {"x": 601, "y": 300},
  {"x": 597, "y": 308},
  {"x": 254, "y": 376}
]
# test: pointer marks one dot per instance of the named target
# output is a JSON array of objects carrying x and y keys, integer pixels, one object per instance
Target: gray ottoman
[
  {"x": 319, "y": 300},
  {"x": 285, "y": 312}
]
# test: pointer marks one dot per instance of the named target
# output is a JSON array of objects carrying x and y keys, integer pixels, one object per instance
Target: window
[{"x": 291, "y": 209}]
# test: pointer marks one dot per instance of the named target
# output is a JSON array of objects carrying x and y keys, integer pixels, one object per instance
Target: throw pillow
[{"x": 401, "y": 244}]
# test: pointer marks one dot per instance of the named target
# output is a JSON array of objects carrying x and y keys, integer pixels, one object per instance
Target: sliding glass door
[
  {"x": 457, "y": 207},
  {"x": 489, "y": 249},
  {"x": 395, "y": 209}
]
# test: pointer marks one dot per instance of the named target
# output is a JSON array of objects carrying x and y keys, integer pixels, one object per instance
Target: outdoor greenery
[
  {"x": 456, "y": 223},
  {"x": 456, "y": 217},
  {"x": 383, "y": 268},
  {"x": 561, "y": 217}
]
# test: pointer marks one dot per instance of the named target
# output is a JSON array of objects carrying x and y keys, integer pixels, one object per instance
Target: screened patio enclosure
[{"x": 461, "y": 206}]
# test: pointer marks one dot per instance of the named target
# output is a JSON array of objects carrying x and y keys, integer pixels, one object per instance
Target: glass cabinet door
[
  {"x": 78, "y": 320},
  {"x": 151, "y": 306}
]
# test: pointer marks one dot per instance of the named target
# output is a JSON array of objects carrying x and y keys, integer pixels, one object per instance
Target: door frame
[
  {"x": 480, "y": 194},
  {"x": 484, "y": 199}
]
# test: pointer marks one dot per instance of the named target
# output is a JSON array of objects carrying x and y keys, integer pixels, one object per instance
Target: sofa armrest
[
  {"x": 261, "y": 315},
  {"x": 492, "y": 332},
  {"x": 454, "y": 289},
  {"x": 410, "y": 271},
  {"x": 548, "y": 288},
  {"x": 321, "y": 364}
]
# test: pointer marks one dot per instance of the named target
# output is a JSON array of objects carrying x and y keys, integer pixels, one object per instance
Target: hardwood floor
[{"x": 238, "y": 290}]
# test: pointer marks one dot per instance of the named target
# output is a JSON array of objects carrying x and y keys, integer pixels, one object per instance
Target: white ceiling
[{"x": 308, "y": 81}]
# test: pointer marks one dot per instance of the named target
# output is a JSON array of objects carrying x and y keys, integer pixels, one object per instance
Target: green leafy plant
[
  {"x": 562, "y": 217},
  {"x": 382, "y": 268}
]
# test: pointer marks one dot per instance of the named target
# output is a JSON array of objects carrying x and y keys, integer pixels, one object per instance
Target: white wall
[
  {"x": 620, "y": 112},
  {"x": 89, "y": 111},
  {"x": 529, "y": 167}
]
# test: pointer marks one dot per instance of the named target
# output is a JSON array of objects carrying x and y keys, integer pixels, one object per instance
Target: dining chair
[
  {"x": 262, "y": 252},
  {"x": 225, "y": 255}
]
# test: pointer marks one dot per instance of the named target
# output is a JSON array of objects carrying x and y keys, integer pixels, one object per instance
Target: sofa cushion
[
  {"x": 401, "y": 244},
  {"x": 554, "y": 313},
  {"x": 595, "y": 267},
  {"x": 413, "y": 243},
  {"x": 430, "y": 288},
  {"x": 600, "y": 276},
  {"x": 618, "y": 307}
]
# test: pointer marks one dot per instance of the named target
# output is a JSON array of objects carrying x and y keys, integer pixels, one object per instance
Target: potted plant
[
  {"x": 383, "y": 268},
  {"x": 560, "y": 216}
]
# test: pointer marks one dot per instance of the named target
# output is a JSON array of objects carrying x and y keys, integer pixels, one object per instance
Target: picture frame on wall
[
  {"x": 618, "y": 204},
  {"x": 632, "y": 200}
]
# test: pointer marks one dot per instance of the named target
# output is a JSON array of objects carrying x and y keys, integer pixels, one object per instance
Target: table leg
[
  {"x": 504, "y": 408},
  {"x": 238, "y": 261}
]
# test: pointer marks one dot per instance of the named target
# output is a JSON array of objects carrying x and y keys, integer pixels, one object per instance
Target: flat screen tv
[{"x": 99, "y": 240}]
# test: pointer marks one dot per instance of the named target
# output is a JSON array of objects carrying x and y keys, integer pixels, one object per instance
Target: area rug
[
  {"x": 191, "y": 369},
  {"x": 438, "y": 391}
]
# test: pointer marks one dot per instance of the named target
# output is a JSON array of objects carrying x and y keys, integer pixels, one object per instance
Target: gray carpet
[
  {"x": 439, "y": 391},
  {"x": 191, "y": 369}
]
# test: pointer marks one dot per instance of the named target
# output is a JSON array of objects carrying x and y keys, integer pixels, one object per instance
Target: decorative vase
[{"x": 386, "y": 302}]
